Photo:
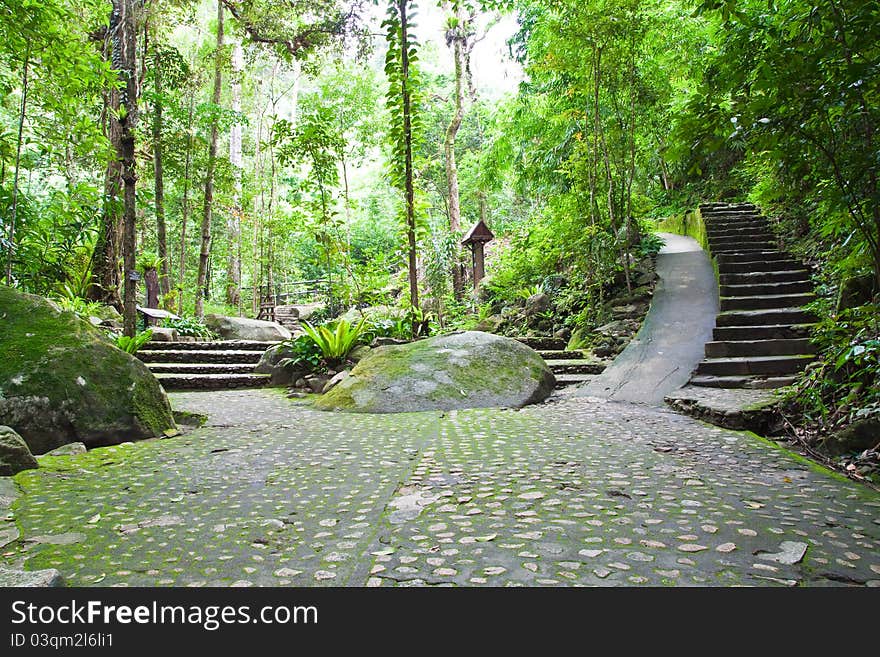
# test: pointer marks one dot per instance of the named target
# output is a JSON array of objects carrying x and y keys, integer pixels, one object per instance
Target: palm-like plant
[{"x": 335, "y": 342}]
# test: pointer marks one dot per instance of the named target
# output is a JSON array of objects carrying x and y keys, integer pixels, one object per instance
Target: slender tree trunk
[
  {"x": 205, "y": 251},
  {"x": 158, "y": 179},
  {"x": 408, "y": 159},
  {"x": 123, "y": 34},
  {"x": 456, "y": 37},
  {"x": 184, "y": 215},
  {"x": 233, "y": 222},
  {"x": 21, "y": 116}
]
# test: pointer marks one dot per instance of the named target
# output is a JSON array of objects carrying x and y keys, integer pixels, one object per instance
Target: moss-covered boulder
[
  {"x": 14, "y": 453},
  {"x": 63, "y": 381},
  {"x": 462, "y": 370}
]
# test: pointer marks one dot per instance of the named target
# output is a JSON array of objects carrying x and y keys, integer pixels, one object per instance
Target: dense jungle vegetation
[{"x": 230, "y": 147}]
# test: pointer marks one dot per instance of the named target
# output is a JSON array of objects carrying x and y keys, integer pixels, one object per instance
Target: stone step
[
  {"x": 560, "y": 354},
  {"x": 739, "y": 205},
  {"x": 752, "y": 266},
  {"x": 222, "y": 345},
  {"x": 765, "y": 301},
  {"x": 734, "y": 218},
  {"x": 566, "y": 380},
  {"x": 749, "y": 365},
  {"x": 764, "y": 317},
  {"x": 575, "y": 366},
  {"x": 540, "y": 343},
  {"x": 738, "y": 246},
  {"x": 208, "y": 356},
  {"x": 723, "y": 244},
  {"x": 743, "y": 233},
  {"x": 781, "y": 347},
  {"x": 201, "y": 368},
  {"x": 775, "y": 254},
  {"x": 750, "y": 382},
  {"x": 755, "y": 289},
  {"x": 766, "y": 332},
  {"x": 212, "y": 381},
  {"x": 762, "y": 278}
]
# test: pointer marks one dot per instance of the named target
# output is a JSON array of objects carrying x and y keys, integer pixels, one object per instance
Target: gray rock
[
  {"x": 537, "y": 303},
  {"x": 279, "y": 361},
  {"x": 358, "y": 353},
  {"x": 34, "y": 578},
  {"x": 242, "y": 328},
  {"x": 70, "y": 449},
  {"x": 462, "y": 370},
  {"x": 490, "y": 324},
  {"x": 354, "y": 315},
  {"x": 162, "y": 334},
  {"x": 860, "y": 435},
  {"x": 14, "y": 453},
  {"x": 336, "y": 380},
  {"x": 64, "y": 381},
  {"x": 316, "y": 382}
]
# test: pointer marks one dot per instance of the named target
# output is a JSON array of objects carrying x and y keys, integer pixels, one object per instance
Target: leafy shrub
[
  {"x": 131, "y": 345},
  {"x": 190, "y": 327},
  {"x": 843, "y": 385},
  {"x": 649, "y": 246},
  {"x": 336, "y": 339},
  {"x": 306, "y": 353}
]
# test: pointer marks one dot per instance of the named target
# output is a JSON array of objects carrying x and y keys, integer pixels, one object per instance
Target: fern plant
[
  {"x": 335, "y": 342},
  {"x": 131, "y": 345}
]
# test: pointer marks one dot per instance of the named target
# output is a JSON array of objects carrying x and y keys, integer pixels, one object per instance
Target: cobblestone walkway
[{"x": 575, "y": 491}]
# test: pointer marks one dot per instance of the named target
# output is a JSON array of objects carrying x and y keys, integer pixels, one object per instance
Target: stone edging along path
[{"x": 577, "y": 491}]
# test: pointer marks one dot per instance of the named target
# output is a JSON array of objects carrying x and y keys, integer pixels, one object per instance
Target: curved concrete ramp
[{"x": 664, "y": 353}]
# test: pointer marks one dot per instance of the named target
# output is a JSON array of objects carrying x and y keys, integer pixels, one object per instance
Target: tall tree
[
  {"x": 159, "y": 175},
  {"x": 233, "y": 221},
  {"x": 208, "y": 208},
  {"x": 402, "y": 102}
]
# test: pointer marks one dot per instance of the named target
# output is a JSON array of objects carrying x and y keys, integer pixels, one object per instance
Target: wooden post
[
  {"x": 476, "y": 239},
  {"x": 479, "y": 263}
]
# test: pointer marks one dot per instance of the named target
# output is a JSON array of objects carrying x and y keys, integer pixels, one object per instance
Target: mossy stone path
[{"x": 273, "y": 492}]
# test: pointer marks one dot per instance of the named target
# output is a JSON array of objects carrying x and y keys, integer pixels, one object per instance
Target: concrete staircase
[
  {"x": 569, "y": 367},
  {"x": 288, "y": 317},
  {"x": 761, "y": 336},
  {"x": 205, "y": 365}
]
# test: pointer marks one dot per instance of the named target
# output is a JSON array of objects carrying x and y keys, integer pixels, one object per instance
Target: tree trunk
[
  {"x": 161, "y": 236},
  {"x": 456, "y": 36},
  {"x": 184, "y": 214},
  {"x": 205, "y": 251},
  {"x": 123, "y": 35},
  {"x": 233, "y": 222},
  {"x": 151, "y": 283},
  {"x": 21, "y": 115},
  {"x": 408, "y": 159}
]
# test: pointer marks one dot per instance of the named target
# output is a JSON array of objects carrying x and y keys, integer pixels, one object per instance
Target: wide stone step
[
  {"x": 566, "y": 380},
  {"x": 738, "y": 246},
  {"x": 575, "y": 366},
  {"x": 560, "y": 354},
  {"x": 756, "y": 289},
  {"x": 192, "y": 356},
  {"x": 764, "y": 317},
  {"x": 743, "y": 233},
  {"x": 774, "y": 254},
  {"x": 738, "y": 205},
  {"x": 766, "y": 301},
  {"x": 221, "y": 345},
  {"x": 201, "y": 368},
  {"x": 747, "y": 365},
  {"x": 543, "y": 343},
  {"x": 760, "y": 278},
  {"x": 767, "y": 332},
  {"x": 750, "y": 382},
  {"x": 761, "y": 265},
  {"x": 212, "y": 381},
  {"x": 784, "y": 347}
]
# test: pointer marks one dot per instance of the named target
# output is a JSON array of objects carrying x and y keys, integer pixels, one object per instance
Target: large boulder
[
  {"x": 14, "y": 453},
  {"x": 462, "y": 370},
  {"x": 242, "y": 328},
  {"x": 63, "y": 381},
  {"x": 279, "y": 361}
]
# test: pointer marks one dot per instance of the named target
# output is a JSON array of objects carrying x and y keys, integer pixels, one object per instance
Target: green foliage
[
  {"x": 307, "y": 353},
  {"x": 130, "y": 345},
  {"x": 649, "y": 246},
  {"x": 190, "y": 327},
  {"x": 336, "y": 339},
  {"x": 843, "y": 385}
]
